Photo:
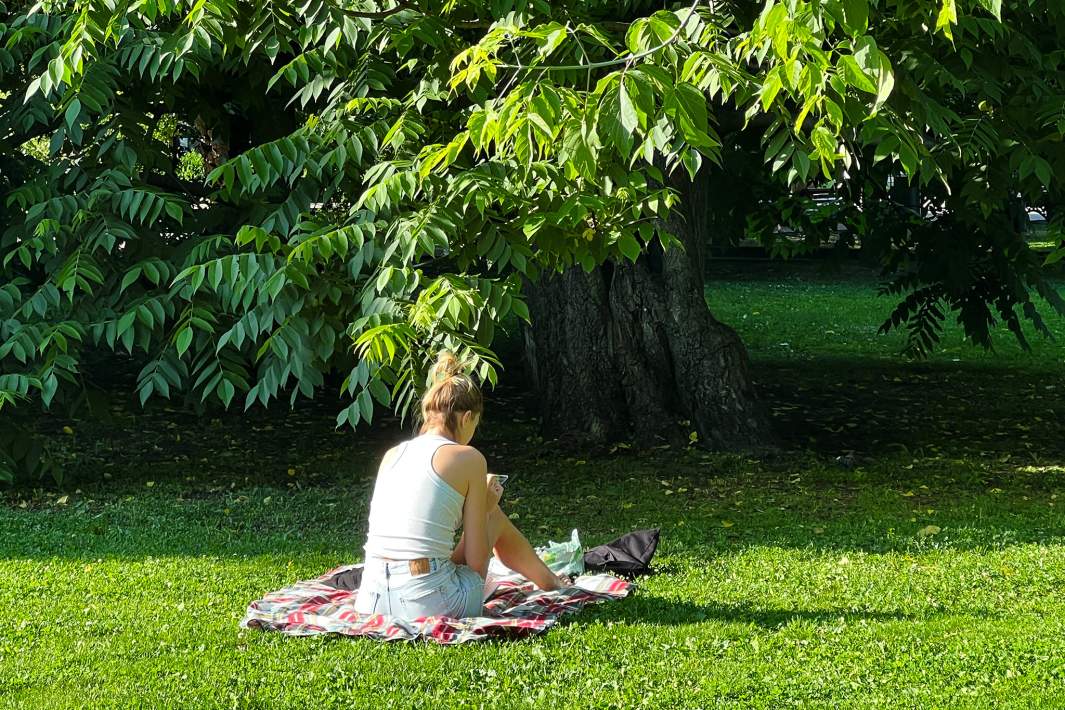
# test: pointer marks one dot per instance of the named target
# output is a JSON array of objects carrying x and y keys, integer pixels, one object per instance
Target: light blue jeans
[{"x": 447, "y": 590}]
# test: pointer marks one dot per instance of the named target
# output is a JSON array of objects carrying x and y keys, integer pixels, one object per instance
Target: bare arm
[{"x": 475, "y": 517}]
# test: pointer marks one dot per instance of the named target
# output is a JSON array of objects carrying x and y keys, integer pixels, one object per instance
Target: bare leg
[{"x": 513, "y": 550}]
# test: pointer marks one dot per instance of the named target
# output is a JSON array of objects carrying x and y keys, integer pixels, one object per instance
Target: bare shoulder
[
  {"x": 459, "y": 459},
  {"x": 460, "y": 466}
]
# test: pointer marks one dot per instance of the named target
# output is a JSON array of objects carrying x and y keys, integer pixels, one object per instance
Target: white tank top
[{"x": 414, "y": 513}]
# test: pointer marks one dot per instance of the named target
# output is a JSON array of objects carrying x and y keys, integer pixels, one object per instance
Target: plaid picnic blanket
[{"x": 516, "y": 608}]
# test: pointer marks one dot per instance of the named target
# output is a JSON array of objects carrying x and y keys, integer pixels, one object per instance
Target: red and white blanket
[{"x": 515, "y": 608}]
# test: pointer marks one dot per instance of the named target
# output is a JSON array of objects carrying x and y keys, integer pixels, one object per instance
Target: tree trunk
[{"x": 631, "y": 351}]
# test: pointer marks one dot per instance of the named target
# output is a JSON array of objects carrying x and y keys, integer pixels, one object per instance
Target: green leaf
[
  {"x": 856, "y": 15},
  {"x": 948, "y": 16},
  {"x": 611, "y": 126},
  {"x": 56, "y": 71},
  {"x": 866, "y": 54},
  {"x": 770, "y": 88},
  {"x": 151, "y": 271},
  {"x": 520, "y": 309},
  {"x": 855, "y": 76},
  {"x": 908, "y": 158},
  {"x": 131, "y": 276},
  {"x": 1054, "y": 257},
  {"x": 32, "y": 89},
  {"x": 183, "y": 340},
  {"x": 885, "y": 148},
  {"x": 992, "y": 6},
  {"x": 126, "y": 321},
  {"x": 73, "y": 112},
  {"x": 383, "y": 278},
  {"x": 824, "y": 140},
  {"x": 1043, "y": 171},
  {"x": 835, "y": 113},
  {"x": 380, "y": 392},
  {"x": 174, "y": 210},
  {"x": 127, "y": 338},
  {"x": 886, "y": 81},
  {"x": 366, "y": 406},
  {"x": 630, "y": 120},
  {"x": 225, "y": 392},
  {"x": 48, "y": 389},
  {"x": 629, "y": 247}
]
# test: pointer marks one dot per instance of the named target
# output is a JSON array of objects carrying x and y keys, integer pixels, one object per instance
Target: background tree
[{"x": 384, "y": 179}]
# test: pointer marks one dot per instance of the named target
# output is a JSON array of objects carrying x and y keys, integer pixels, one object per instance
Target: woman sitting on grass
[{"x": 426, "y": 489}]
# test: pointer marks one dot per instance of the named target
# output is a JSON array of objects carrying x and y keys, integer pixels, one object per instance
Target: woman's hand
[
  {"x": 495, "y": 491},
  {"x": 559, "y": 582}
]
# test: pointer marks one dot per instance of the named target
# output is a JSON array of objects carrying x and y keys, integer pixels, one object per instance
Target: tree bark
[{"x": 631, "y": 351}]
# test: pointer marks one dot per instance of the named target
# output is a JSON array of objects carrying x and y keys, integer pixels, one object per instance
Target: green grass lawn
[
  {"x": 926, "y": 572},
  {"x": 810, "y": 312}
]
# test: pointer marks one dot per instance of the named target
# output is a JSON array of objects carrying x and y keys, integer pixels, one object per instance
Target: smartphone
[{"x": 501, "y": 478}]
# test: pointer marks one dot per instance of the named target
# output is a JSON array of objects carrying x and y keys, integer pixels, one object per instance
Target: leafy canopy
[{"x": 379, "y": 180}]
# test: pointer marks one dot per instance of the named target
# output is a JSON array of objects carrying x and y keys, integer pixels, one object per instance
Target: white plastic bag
[{"x": 564, "y": 557}]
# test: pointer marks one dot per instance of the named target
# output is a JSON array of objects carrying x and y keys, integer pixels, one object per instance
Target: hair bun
[
  {"x": 445, "y": 367},
  {"x": 451, "y": 394}
]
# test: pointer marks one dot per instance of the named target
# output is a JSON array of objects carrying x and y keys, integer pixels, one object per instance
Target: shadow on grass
[
  {"x": 836, "y": 404},
  {"x": 646, "y": 609},
  {"x": 283, "y": 533}
]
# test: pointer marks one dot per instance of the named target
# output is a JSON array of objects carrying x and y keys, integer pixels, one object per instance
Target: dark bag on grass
[
  {"x": 349, "y": 580},
  {"x": 630, "y": 555}
]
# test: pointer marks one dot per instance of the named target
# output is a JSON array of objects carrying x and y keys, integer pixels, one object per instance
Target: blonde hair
[{"x": 451, "y": 393}]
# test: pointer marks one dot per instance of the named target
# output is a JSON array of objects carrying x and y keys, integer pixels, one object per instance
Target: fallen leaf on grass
[
  {"x": 727, "y": 523},
  {"x": 62, "y": 501},
  {"x": 929, "y": 530}
]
